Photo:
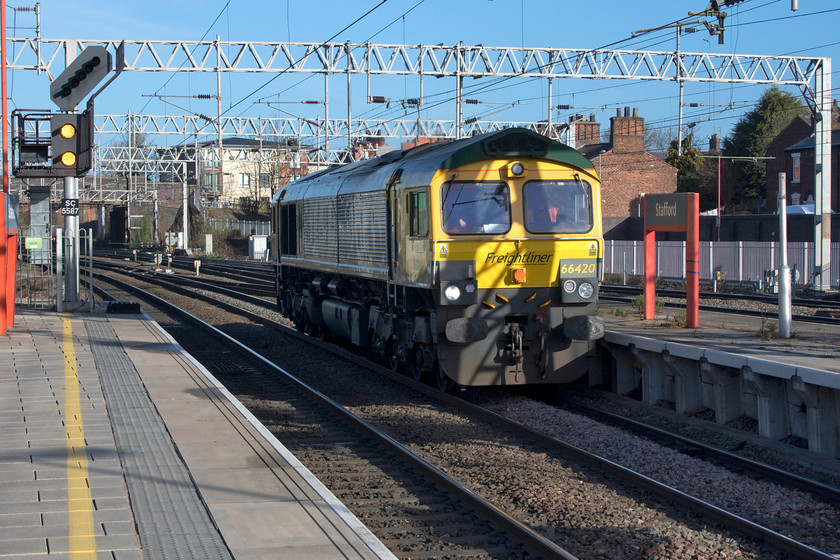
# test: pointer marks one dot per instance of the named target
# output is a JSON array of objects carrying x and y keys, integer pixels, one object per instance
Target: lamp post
[{"x": 717, "y": 217}]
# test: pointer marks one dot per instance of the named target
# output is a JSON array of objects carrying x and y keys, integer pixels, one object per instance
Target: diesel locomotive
[{"x": 474, "y": 262}]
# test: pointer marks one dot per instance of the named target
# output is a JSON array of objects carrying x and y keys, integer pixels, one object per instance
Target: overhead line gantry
[{"x": 812, "y": 75}]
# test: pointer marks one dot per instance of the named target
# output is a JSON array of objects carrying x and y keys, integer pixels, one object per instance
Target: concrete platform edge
[{"x": 329, "y": 498}]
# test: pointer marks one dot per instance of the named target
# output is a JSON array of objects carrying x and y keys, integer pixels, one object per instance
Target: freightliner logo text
[{"x": 517, "y": 258}]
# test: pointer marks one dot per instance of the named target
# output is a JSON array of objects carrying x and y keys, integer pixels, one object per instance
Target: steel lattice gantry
[
  {"x": 811, "y": 74},
  {"x": 430, "y": 60}
]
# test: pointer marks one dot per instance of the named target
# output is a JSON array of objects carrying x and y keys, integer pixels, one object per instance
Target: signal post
[
  {"x": 67, "y": 151},
  {"x": 71, "y": 141}
]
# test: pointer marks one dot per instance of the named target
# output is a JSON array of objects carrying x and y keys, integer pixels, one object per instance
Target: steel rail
[
  {"x": 687, "y": 502},
  {"x": 822, "y": 491},
  {"x": 530, "y": 538},
  {"x": 731, "y": 311}
]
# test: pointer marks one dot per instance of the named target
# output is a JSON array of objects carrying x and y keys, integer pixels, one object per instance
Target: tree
[
  {"x": 688, "y": 164},
  {"x": 658, "y": 139},
  {"x": 693, "y": 172},
  {"x": 751, "y": 136},
  {"x": 269, "y": 167}
]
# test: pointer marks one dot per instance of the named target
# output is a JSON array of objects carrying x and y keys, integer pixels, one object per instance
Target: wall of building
[
  {"x": 627, "y": 174},
  {"x": 627, "y": 171}
]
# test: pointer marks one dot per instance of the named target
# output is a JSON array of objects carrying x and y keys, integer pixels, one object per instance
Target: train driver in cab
[
  {"x": 544, "y": 213},
  {"x": 455, "y": 223}
]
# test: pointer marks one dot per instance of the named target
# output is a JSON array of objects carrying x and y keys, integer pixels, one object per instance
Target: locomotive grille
[
  {"x": 362, "y": 229},
  {"x": 348, "y": 229},
  {"x": 320, "y": 239}
]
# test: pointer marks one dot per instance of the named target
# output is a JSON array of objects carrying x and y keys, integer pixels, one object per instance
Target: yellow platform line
[{"x": 80, "y": 504}]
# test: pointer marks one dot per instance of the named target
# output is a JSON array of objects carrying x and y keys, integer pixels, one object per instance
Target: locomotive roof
[{"x": 420, "y": 164}]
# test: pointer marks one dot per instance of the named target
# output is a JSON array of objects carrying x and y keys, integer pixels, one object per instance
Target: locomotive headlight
[
  {"x": 515, "y": 169},
  {"x": 569, "y": 286},
  {"x": 585, "y": 290},
  {"x": 452, "y": 293}
]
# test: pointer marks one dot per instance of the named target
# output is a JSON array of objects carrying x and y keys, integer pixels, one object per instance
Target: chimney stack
[
  {"x": 714, "y": 144},
  {"x": 586, "y": 132},
  {"x": 627, "y": 134}
]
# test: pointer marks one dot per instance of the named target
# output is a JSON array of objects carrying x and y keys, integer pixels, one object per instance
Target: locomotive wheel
[
  {"x": 300, "y": 321},
  {"x": 395, "y": 363},
  {"x": 439, "y": 380},
  {"x": 415, "y": 368}
]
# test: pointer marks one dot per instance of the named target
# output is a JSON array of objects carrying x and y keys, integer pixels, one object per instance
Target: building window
[
  {"x": 211, "y": 158},
  {"x": 294, "y": 160},
  {"x": 265, "y": 180},
  {"x": 795, "y": 176},
  {"x": 211, "y": 182},
  {"x": 244, "y": 181}
]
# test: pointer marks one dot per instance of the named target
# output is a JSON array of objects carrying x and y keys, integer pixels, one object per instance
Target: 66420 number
[{"x": 577, "y": 268}]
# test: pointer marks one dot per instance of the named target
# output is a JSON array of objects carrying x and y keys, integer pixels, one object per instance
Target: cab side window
[
  {"x": 288, "y": 229},
  {"x": 418, "y": 210}
]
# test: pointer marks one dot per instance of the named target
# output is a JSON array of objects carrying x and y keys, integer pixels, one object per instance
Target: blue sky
[{"x": 765, "y": 27}]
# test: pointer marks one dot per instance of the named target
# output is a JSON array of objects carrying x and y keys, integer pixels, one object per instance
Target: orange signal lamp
[
  {"x": 68, "y": 159},
  {"x": 67, "y": 131},
  {"x": 518, "y": 275}
]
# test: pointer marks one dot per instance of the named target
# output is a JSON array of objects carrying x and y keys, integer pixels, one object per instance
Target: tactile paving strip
[{"x": 172, "y": 522}]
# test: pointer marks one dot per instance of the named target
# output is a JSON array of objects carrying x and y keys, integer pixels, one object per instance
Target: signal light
[
  {"x": 68, "y": 159},
  {"x": 67, "y": 131},
  {"x": 70, "y": 144}
]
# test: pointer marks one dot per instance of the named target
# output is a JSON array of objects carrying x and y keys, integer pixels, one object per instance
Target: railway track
[
  {"x": 257, "y": 278},
  {"x": 556, "y": 449},
  {"x": 416, "y": 510},
  {"x": 756, "y": 305},
  {"x": 713, "y": 453},
  {"x": 223, "y": 276}
]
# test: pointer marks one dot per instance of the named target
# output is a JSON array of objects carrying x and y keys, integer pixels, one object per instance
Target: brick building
[
  {"x": 627, "y": 171},
  {"x": 793, "y": 153}
]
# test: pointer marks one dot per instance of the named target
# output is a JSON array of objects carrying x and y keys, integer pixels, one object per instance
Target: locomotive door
[
  {"x": 417, "y": 245},
  {"x": 393, "y": 221}
]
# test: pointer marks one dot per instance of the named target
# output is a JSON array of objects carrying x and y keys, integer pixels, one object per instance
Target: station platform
[
  {"x": 735, "y": 371},
  {"x": 811, "y": 345},
  {"x": 115, "y": 443}
]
